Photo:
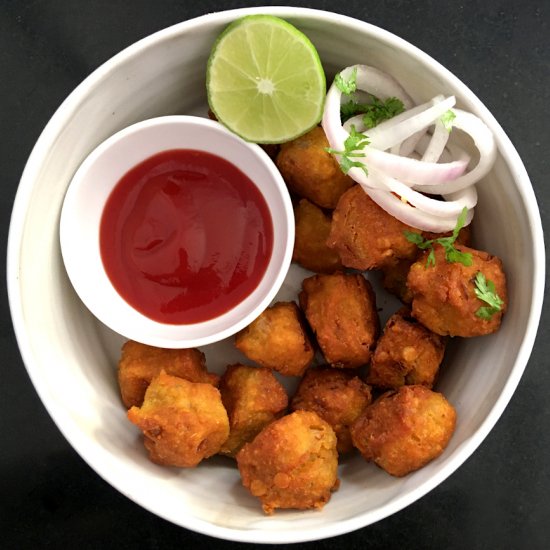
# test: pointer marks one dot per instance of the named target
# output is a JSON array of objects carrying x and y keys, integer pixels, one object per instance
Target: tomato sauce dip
[{"x": 185, "y": 236}]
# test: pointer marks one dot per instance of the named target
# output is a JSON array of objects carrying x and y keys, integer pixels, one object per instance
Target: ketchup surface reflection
[{"x": 185, "y": 236}]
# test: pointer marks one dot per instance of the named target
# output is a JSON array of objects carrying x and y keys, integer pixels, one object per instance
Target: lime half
[{"x": 265, "y": 81}]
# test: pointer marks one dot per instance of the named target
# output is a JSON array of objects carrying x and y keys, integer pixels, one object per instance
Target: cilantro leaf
[
  {"x": 351, "y": 108},
  {"x": 461, "y": 220},
  {"x": 447, "y": 120},
  {"x": 431, "y": 259},
  {"x": 379, "y": 111},
  {"x": 354, "y": 143},
  {"x": 346, "y": 164},
  {"x": 417, "y": 239},
  {"x": 349, "y": 85},
  {"x": 374, "y": 112},
  {"x": 452, "y": 254},
  {"x": 485, "y": 290}
]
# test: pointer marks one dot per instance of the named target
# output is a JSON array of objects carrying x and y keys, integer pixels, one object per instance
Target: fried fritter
[
  {"x": 404, "y": 430},
  {"x": 444, "y": 296},
  {"x": 310, "y": 172},
  {"x": 292, "y": 463},
  {"x": 395, "y": 274},
  {"x": 253, "y": 398},
  {"x": 338, "y": 396},
  {"x": 394, "y": 279},
  {"x": 140, "y": 363},
  {"x": 341, "y": 310},
  {"x": 365, "y": 236},
  {"x": 406, "y": 353},
  {"x": 277, "y": 339},
  {"x": 182, "y": 422},
  {"x": 312, "y": 230}
]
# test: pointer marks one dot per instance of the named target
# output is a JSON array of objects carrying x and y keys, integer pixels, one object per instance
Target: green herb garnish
[
  {"x": 373, "y": 113},
  {"x": 347, "y": 85},
  {"x": 382, "y": 110},
  {"x": 447, "y": 119},
  {"x": 485, "y": 291},
  {"x": 452, "y": 255},
  {"x": 354, "y": 143}
]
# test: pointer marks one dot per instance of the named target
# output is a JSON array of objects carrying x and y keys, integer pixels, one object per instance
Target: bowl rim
[
  {"x": 91, "y": 279},
  {"x": 81, "y": 445}
]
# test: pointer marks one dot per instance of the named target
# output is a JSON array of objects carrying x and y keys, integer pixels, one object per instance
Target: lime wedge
[{"x": 265, "y": 81}]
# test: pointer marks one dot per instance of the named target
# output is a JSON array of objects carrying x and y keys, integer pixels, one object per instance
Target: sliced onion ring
[
  {"x": 391, "y": 175},
  {"x": 399, "y": 128},
  {"x": 485, "y": 143},
  {"x": 467, "y": 198},
  {"x": 413, "y": 216}
]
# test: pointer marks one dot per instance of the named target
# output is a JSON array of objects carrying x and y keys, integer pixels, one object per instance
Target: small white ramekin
[{"x": 90, "y": 188}]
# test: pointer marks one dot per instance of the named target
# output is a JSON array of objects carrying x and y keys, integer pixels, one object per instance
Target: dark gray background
[{"x": 49, "y": 498}]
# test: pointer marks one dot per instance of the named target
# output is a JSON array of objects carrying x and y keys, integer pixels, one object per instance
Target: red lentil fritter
[
  {"x": 140, "y": 363},
  {"x": 406, "y": 353},
  {"x": 277, "y": 339},
  {"x": 365, "y": 236},
  {"x": 403, "y": 430},
  {"x": 292, "y": 463},
  {"x": 253, "y": 398},
  {"x": 312, "y": 230},
  {"x": 444, "y": 295},
  {"x": 310, "y": 172},
  {"x": 338, "y": 396},
  {"x": 341, "y": 310},
  {"x": 182, "y": 422}
]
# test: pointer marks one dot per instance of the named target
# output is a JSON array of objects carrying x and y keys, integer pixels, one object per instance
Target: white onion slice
[
  {"x": 394, "y": 129},
  {"x": 331, "y": 122},
  {"x": 409, "y": 145},
  {"x": 466, "y": 198},
  {"x": 415, "y": 172},
  {"x": 378, "y": 83},
  {"x": 437, "y": 143},
  {"x": 485, "y": 143},
  {"x": 397, "y": 129},
  {"x": 439, "y": 167},
  {"x": 446, "y": 156},
  {"x": 413, "y": 216}
]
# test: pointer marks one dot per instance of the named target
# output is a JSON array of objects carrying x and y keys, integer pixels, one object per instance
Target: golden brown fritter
[
  {"x": 395, "y": 275},
  {"x": 444, "y": 298},
  {"x": 312, "y": 230},
  {"x": 140, "y": 363},
  {"x": 182, "y": 422},
  {"x": 394, "y": 279},
  {"x": 292, "y": 463},
  {"x": 310, "y": 172},
  {"x": 406, "y": 353},
  {"x": 365, "y": 236},
  {"x": 404, "y": 430},
  {"x": 341, "y": 310},
  {"x": 277, "y": 339},
  {"x": 338, "y": 396},
  {"x": 253, "y": 398}
]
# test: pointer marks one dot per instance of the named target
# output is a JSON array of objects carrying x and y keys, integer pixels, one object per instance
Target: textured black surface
[{"x": 49, "y": 498}]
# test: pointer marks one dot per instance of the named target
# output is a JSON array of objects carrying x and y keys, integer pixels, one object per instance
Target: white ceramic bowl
[
  {"x": 92, "y": 185},
  {"x": 71, "y": 358}
]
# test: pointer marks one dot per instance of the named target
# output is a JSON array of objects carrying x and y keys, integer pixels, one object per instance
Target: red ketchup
[{"x": 185, "y": 236}]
